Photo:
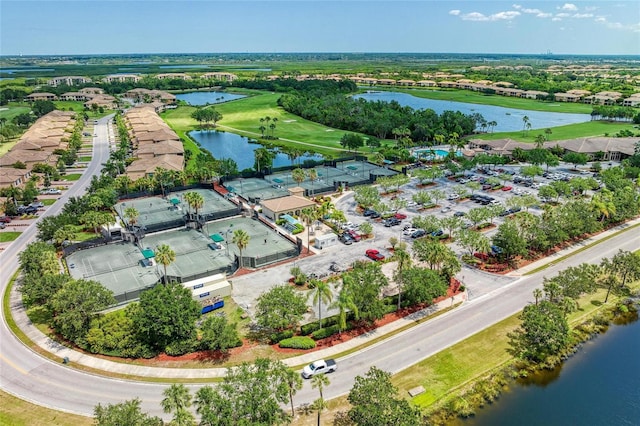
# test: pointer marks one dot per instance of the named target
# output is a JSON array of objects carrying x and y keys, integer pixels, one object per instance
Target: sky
[{"x": 68, "y": 27}]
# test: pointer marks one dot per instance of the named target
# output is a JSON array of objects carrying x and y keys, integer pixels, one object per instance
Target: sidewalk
[{"x": 21, "y": 319}]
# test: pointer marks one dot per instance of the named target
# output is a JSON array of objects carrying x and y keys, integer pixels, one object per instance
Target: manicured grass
[
  {"x": 243, "y": 117},
  {"x": 570, "y": 131},
  {"x": 473, "y": 358},
  {"x": 48, "y": 201},
  {"x": 503, "y": 101},
  {"x": 8, "y": 236},
  {"x": 17, "y": 412},
  {"x": 87, "y": 158},
  {"x": 13, "y": 109},
  {"x": 71, "y": 177},
  {"x": 77, "y": 106}
]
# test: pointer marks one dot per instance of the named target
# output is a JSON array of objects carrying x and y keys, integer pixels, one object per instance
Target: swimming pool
[{"x": 429, "y": 154}]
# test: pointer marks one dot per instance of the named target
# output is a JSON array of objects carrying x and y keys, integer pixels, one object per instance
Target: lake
[
  {"x": 508, "y": 119},
  {"x": 229, "y": 145},
  {"x": 599, "y": 385},
  {"x": 204, "y": 98}
]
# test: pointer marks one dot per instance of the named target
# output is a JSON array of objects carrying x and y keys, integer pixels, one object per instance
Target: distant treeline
[{"x": 311, "y": 88}]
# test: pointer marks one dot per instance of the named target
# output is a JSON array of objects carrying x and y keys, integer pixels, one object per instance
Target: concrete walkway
[{"x": 100, "y": 364}]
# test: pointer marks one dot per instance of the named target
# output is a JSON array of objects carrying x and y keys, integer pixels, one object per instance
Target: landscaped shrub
[
  {"x": 325, "y": 332},
  {"x": 277, "y": 337},
  {"x": 298, "y": 342},
  {"x": 297, "y": 229},
  {"x": 307, "y": 329},
  {"x": 181, "y": 347}
]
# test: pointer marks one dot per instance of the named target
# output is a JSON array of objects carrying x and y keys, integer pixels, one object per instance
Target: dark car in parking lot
[
  {"x": 346, "y": 239},
  {"x": 27, "y": 210},
  {"x": 368, "y": 212},
  {"x": 418, "y": 233},
  {"x": 392, "y": 221},
  {"x": 5, "y": 219}
]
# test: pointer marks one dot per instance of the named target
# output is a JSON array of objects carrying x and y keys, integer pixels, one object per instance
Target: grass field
[
  {"x": 570, "y": 131},
  {"x": 9, "y": 236},
  {"x": 243, "y": 117},
  {"x": 496, "y": 100},
  {"x": 13, "y": 109},
  {"x": 71, "y": 177},
  {"x": 17, "y": 412}
]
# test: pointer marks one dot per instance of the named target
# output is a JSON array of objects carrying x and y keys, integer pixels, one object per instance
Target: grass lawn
[
  {"x": 13, "y": 109},
  {"x": 9, "y": 236},
  {"x": 87, "y": 158},
  {"x": 17, "y": 412},
  {"x": 49, "y": 201},
  {"x": 570, "y": 131},
  {"x": 77, "y": 106},
  {"x": 71, "y": 177},
  {"x": 475, "y": 357},
  {"x": 243, "y": 117},
  {"x": 502, "y": 101}
]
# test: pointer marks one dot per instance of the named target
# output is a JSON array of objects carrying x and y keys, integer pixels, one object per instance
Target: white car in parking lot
[{"x": 451, "y": 197}]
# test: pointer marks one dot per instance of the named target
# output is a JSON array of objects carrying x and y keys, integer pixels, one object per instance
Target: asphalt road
[{"x": 34, "y": 378}]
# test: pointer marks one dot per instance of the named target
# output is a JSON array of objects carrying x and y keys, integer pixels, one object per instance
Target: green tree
[
  {"x": 165, "y": 256},
  {"x": 320, "y": 294},
  {"x": 38, "y": 289},
  {"x": 319, "y": 381},
  {"x": 64, "y": 234},
  {"x": 195, "y": 200},
  {"x": 363, "y": 284},
  {"x": 576, "y": 158},
  {"x": 280, "y": 308},
  {"x": 39, "y": 258},
  {"x": 241, "y": 239},
  {"x": 177, "y": 399},
  {"x": 510, "y": 240},
  {"x": 373, "y": 398},
  {"x": 250, "y": 394},
  {"x": 422, "y": 285},
  {"x": 544, "y": 331},
  {"x": 218, "y": 334},
  {"x": 344, "y": 303},
  {"x": 75, "y": 304},
  {"x": 167, "y": 315},
  {"x": 298, "y": 175},
  {"x": 131, "y": 214},
  {"x": 125, "y": 413}
]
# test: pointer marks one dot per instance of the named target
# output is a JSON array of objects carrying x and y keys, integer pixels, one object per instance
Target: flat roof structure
[{"x": 120, "y": 266}]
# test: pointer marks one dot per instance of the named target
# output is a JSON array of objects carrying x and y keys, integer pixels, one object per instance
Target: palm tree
[
  {"x": 298, "y": 175},
  {"x": 131, "y": 214},
  {"x": 537, "y": 293},
  {"x": 195, "y": 200},
  {"x": 294, "y": 383},
  {"x": 177, "y": 398},
  {"x": 241, "y": 240},
  {"x": 313, "y": 175},
  {"x": 402, "y": 256},
  {"x": 492, "y": 124},
  {"x": 165, "y": 256},
  {"x": 319, "y": 381},
  {"x": 343, "y": 303},
  {"x": 321, "y": 293},
  {"x": 525, "y": 122},
  {"x": 309, "y": 214}
]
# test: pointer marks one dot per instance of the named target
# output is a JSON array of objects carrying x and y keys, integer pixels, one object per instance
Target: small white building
[{"x": 325, "y": 240}]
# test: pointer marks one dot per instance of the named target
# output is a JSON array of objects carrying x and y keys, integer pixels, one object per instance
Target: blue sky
[{"x": 210, "y": 26}]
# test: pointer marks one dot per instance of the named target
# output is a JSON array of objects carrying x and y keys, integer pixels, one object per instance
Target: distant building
[{"x": 69, "y": 81}]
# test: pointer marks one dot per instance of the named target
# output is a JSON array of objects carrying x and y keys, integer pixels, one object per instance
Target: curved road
[{"x": 34, "y": 378}]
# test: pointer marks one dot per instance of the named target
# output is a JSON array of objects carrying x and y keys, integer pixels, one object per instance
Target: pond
[
  {"x": 229, "y": 145},
  {"x": 204, "y": 98},
  {"x": 600, "y": 385},
  {"x": 508, "y": 119}
]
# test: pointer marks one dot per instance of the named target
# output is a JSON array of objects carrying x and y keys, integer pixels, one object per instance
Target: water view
[
  {"x": 600, "y": 385},
  {"x": 204, "y": 98},
  {"x": 508, "y": 119},
  {"x": 229, "y": 145}
]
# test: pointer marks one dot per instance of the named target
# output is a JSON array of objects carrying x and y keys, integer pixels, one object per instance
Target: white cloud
[
  {"x": 568, "y": 6},
  {"x": 454, "y": 12},
  {"x": 544, "y": 15},
  {"x": 583, "y": 15},
  {"x": 556, "y": 19},
  {"x": 562, "y": 15},
  {"x": 500, "y": 16},
  {"x": 600, "y": 19}
]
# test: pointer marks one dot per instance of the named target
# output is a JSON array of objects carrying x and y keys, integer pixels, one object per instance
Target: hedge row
[
  {"x": 278, "y": 337},
  {"x": 298, "y": 342}
]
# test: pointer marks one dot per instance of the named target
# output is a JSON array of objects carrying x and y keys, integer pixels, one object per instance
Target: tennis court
[{"x": 255, "y": 188}]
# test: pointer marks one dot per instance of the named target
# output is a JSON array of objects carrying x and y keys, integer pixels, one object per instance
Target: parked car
[
  {"x": 409, "y": 231},
  {"x": 37, "y": 204},
  {"x": 392, "y": 221},
  {"x": 51, "y": 191},
  {"x": 445, "y": 210},
  {"x": 374, "y": 254},
  {"x": 2, "y": 225},
  {"x": 459, "y": 214},
  {"x": 437, "y": 233},
  {"x": 5, "y": 219},
  {"x": 452, "y": 197},
  {"x": 319, "y": 367},
  {"x": 400, "y": 216},
  {"x": 346, "y": 239},
  {"x": 486, "y": 187},
  {"x": 27, "y": 210},
  {"x": 369, "y": 212},
  {"x": 354, "y": 235},
  {"x": 507, "y": 188},
  {"x": 334, "y": 267},
  {"x": 419, "y": 233}
]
